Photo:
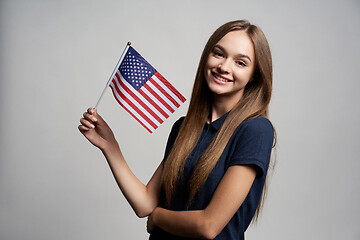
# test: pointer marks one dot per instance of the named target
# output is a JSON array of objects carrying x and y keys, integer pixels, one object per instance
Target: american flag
[{"x": 143, "y": 92}]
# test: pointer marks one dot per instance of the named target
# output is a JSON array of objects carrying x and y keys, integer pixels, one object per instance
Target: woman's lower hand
[
  {"x": 96, "y": 130},
  {"x": 150, "y": 225}
]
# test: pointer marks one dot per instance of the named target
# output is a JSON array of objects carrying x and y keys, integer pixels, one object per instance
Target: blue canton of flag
[{"x": 135, "y": 69}]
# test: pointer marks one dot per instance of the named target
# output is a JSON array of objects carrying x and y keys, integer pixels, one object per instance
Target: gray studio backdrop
[{"x": 56, "y": 57}]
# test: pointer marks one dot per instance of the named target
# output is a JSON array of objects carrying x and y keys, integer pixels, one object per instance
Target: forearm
[
  {"x": 135, "y": 192},
  {"x": 143, "y": 199},
  {"x": 193, "y": 224}
]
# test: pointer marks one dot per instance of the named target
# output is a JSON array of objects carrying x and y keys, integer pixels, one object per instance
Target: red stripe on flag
[
  {"x": 153, "y": 103},
  {"x": 133, "y": 106},
  {"x": 163, "y": 91},
  {"x": 138, "y": 100},
  {"x": 158, "y": 98},
  {"x": 171, "y": 87},
  {"x": 129, "y": 110}
]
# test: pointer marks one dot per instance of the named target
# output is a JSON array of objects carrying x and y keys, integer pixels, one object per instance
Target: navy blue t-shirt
[{"x": 250, "y": 144}]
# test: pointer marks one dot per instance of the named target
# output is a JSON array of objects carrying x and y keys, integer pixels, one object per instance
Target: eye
[
  {"x": 241, "y": 63},
  {"x": 217, "y": 53}
]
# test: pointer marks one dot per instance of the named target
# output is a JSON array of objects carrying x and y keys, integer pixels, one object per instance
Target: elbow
[
  {"x": 143, "y": 208},
  {"x": 143, "y": 213},
  {"x": 210, "y": 234},
  {"x": 207, "y": 229}
]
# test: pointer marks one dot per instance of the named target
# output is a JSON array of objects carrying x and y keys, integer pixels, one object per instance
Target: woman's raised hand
[{"x": 96, "y": 130}]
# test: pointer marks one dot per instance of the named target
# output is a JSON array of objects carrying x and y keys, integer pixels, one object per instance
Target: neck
[{"x": 222, "y": 105}]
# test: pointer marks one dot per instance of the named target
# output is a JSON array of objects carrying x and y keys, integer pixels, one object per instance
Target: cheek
[
  {"x": 207, "y": 68},
  {"x": 244, "y": 78},
  {"x": 211, "y": 62}
]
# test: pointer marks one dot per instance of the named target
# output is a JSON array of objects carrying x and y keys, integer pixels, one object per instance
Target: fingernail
[
  {"x": 92, "y": 110},
  {"x": 92, "y": 126},
  {"x": 94, "y": 119}
]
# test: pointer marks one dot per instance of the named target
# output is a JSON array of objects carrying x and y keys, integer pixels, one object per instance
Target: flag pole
[{"x": 113, "y": 73}]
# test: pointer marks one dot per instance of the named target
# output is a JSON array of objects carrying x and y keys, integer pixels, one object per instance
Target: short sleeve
[
  {"x": 252, "y": 144},
  {"x": 172, "y": 136}
]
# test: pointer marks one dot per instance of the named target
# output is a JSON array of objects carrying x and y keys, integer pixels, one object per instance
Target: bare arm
[
  {"x": 143, "y": 199},
  {"x": 208, "y": 223}
]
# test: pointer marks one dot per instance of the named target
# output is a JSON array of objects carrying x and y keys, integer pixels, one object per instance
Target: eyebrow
[{"x": 238, "y": 55}]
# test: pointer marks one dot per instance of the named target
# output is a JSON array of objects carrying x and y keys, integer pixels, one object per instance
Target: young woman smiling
[{"x": 211, "y": 181}]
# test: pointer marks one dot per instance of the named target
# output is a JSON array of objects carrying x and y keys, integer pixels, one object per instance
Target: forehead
[{"x": 237, "y": 42}]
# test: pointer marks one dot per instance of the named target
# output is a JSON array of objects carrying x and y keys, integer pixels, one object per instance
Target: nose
[{"x": 224, "y": 66}]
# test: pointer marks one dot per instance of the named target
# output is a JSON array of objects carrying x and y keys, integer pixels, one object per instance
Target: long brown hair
[{"x": 254, "y": 102}]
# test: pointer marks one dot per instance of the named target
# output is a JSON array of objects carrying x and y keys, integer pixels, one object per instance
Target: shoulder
[
  {"x": 256, "y": 133},
  {"x": 172, "y": 136},
  {"x": 252, "y": 142},
  {"x": 257, "y": 126},
  {"x": 177, "y": 125}
]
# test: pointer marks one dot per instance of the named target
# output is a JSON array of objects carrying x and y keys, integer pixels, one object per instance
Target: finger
[
  {"x": 86, "y": 123},
  {"x": 94, "y": 112},
  {"x": 99, "y": 119},
  {"x": 91, "y": 110},
  {"x": 90, "y": 117},
  {"x": 82, "y": 128}
]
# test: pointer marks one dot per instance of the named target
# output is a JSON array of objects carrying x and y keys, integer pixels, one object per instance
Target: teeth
[{"x": 221, "y": 79}]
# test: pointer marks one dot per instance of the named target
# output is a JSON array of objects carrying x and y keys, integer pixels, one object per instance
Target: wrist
[
  {"x": 154, "y": 216},
  {"x": 111, "y": 150}
]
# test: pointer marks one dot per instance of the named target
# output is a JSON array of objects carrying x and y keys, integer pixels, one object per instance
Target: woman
[{"x": 211, "y": 180}]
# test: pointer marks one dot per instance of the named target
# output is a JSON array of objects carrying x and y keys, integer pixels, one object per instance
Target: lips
[{"x": 220, "y": 79}]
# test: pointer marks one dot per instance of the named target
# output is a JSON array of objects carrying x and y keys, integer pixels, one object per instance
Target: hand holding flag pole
[{"x": 142, "y": 91}]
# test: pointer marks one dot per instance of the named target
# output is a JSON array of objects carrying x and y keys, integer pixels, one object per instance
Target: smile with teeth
[{"x": 221, "y": 78}]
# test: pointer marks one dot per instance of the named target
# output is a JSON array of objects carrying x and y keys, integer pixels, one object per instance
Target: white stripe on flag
[
  {"x": 141, "y": 98},
  {"x": 155, "y": 89},
  {"x": 131, "y": 109},
  {"x": 137, "y": 104},
  {"x": 167, "y": 90},
  {"x": 156, "y": 100}
]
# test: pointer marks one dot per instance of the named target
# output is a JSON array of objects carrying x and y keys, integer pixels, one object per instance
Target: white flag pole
[{"x": 113, "y": 73}]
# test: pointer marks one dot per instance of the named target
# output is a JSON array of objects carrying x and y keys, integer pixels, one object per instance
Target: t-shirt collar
[{"x": 218, "y": 122}]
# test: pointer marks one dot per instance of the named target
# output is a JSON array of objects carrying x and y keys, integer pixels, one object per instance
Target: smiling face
[{"x": 230, "y": 66}]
